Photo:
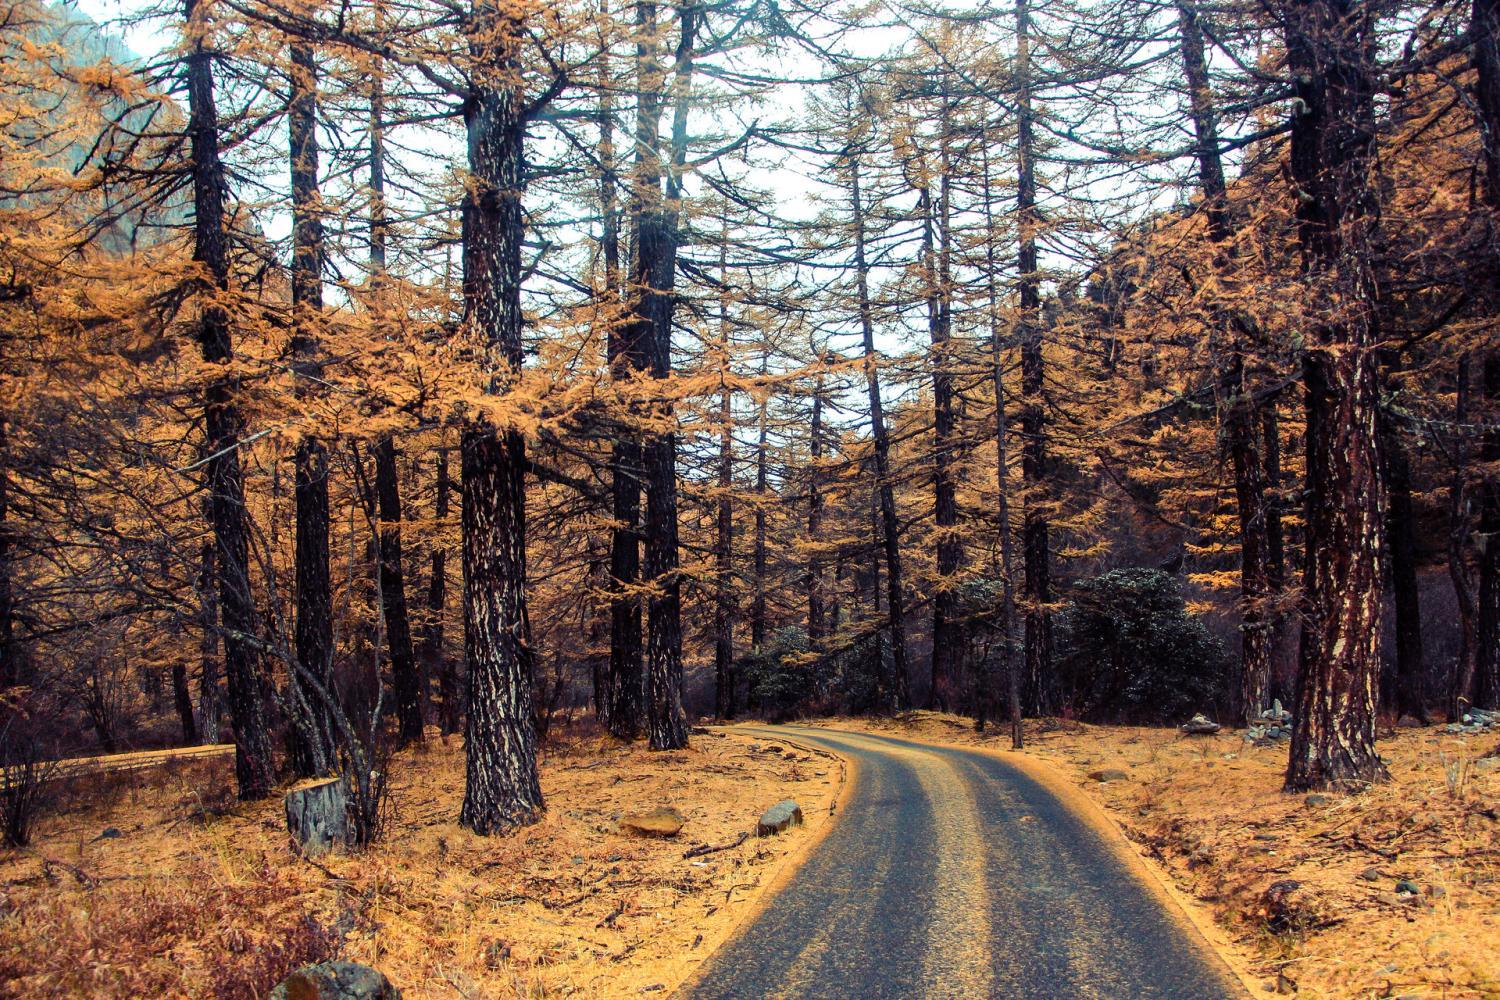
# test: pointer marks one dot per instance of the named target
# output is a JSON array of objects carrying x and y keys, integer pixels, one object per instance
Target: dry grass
[
  {"x": 1208, "y": 811},
  {"x": 201, "y": 896}
]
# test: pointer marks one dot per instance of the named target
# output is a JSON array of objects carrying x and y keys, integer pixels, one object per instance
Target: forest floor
[
  {"x": 159, "y": 883},
  {"x": 1299, "y": 895}
]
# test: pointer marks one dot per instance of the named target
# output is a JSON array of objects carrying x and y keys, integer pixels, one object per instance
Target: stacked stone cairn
[
  {"x": 1272, "y": 726},
  {"x": 1475, "y": 722}
]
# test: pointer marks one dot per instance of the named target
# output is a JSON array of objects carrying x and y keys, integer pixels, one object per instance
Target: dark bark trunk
[
  {"x": 1461, "y": 685},
  {"x": 627, "y": 360},
  {"x": 501, "y": 789},
  {"x": 1256, "y": 633},
  {"x": 724, "y": 679},
  {"x": 759, "y": 553},
  {"x": 1486, "y": 33},
  {"x": 405, "y": 678},
  {"x": 182, "y": 695},
  {"x": 625, "y": 645},
  {"x": 1401, "y": 542},
  {"x": 312, "y": 739},
  {"x": 813, "y": 582},
  {"x": 1039, "y": 696},
  {"x": 1275, "y": 538},
  {"x": 1333, "y": 737},
  {"x": 439, "y": 664},
  {"x": 210, "y": 710},
  {"x": 1002, "y": 473},
  {"x": 947, "y": 643},
  {"x": 655, "y": 269},
  {"x": 254, "y": 766},
  {"x": 895, "y": 696},
  {"x": 1487, "y": 533},
  {"x": 10, "y": 667}
]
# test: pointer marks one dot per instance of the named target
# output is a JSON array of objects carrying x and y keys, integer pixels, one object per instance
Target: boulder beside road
[
  {"x": 663, "y": 821},
  {"x": 774, "y": 820}
]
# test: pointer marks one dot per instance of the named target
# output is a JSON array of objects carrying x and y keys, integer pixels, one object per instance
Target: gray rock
[
  {"x": 774, "y": 820},
  {"x": 1318, "y": 799},
  {"x": 1408, "y": 888},
  {"x": 336, "y": 981},
  {"x": 1109, "y": 774},
  {"x": 1436, "y": 892},
  {"x": 1371, "y": 875},
  {"x": 1200, "y": 725},
  {"x": 110, "y": 833},
  {"x": 663, "y": 821}
]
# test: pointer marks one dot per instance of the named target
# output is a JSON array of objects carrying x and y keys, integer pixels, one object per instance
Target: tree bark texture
[
  {"x": 1035, "y": 546},
  {"x": 896, "y": 695},
  {"x": 501, "y": 789},
  {"x": 1333, "y": 737},
  {"x": 224, "y": 479}
]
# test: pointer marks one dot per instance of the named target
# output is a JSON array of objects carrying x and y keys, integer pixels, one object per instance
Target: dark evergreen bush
[
  {"x": 779, "y": 675},
  {"x": 1129, "y": 651}
]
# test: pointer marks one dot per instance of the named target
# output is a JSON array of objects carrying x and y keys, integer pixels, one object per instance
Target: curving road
[{"x": 953, "y": 874}]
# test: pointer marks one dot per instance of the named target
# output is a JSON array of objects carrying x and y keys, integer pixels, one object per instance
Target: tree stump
[{"x": 317, "y": 816}]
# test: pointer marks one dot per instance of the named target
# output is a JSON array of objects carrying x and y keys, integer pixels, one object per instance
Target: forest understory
[
  {"x": 160, "y": 884},
  {"x": 1304, "y": 896}
]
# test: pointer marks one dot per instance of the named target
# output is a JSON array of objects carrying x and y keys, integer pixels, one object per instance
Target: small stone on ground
[
  {"x": 777, "y": 818},
  {"x": 663, "y": 821}
]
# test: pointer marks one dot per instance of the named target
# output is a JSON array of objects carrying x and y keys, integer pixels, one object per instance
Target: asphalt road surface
[{"x": 953, "y": 874}]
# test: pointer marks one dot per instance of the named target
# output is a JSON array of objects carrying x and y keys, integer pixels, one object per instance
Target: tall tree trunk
[
  {"x": 1461, "y": 685},
  {"x": 313, "y": 749},
  {"x": 759, "y": 555},
  {"x": 1040, "y": 686},
  {"x": 405, "y": 678},
  {"x": 182, "y": 695},
  {"x": 1401, "y": 542},
  {"x": 813, "y": 582},
  {"x": 1270, "y": 423},
  {"x": 254, "y": 766},
  {"x": 1239, "y": 419},
  {"x": 895, "y": 696},
  {"x": 210, "y": 711},
  {"x": 501, "y": 788},
  {"x": 1486, "y": 34},
  {"x": 1002, "y": 466},
  {"x": 947, "y": 644},
  {"x": 724, "y": 673},
  {"x": 1333, "y": 737},
  {"x": 10, "y": 667},
  {"x": 1257, "y": 637},
  {"x": 653, "y": 279},
  {"x": 627, "y": 360},
  {"x": 1487, "y": 532},
  {"x": 439, "y": 664}
]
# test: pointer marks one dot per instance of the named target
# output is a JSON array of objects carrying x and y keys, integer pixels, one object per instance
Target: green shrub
[
  {"x": 1128, "y": 651},
  {"x": 780, "y": 678}
]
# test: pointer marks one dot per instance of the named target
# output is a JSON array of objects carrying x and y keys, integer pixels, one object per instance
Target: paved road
[{"x": 952, "y": 874}]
